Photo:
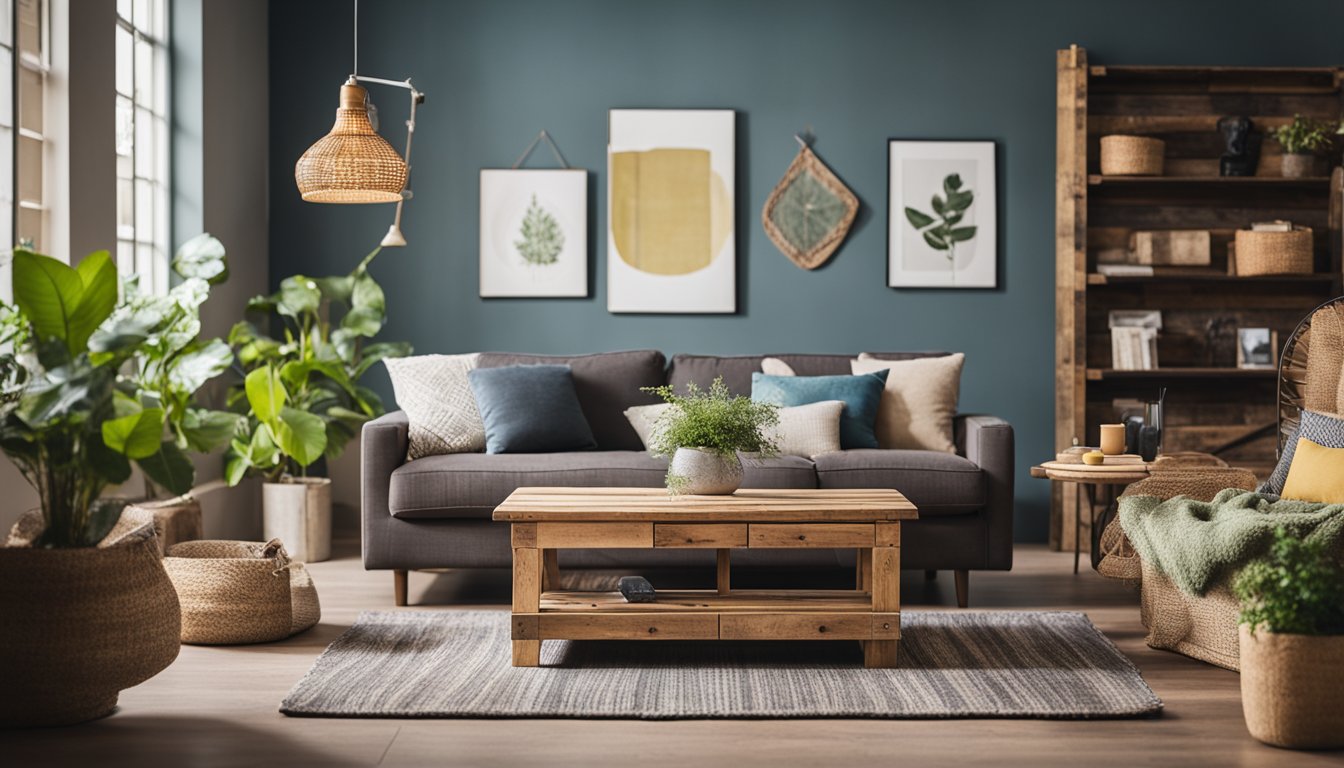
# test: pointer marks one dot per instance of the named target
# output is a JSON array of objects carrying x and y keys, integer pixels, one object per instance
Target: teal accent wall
[{"x": 856, "y": 71}]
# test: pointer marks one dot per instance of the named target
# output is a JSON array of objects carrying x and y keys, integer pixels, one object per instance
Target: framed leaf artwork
[
  {"x": 942, "y": 230},
  {"x": 670, "y": 240},
  {"x": 534, "y": 232}
]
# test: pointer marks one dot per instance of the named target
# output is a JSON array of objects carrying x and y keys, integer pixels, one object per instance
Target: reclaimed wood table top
[
  {"x": 1099, "y": 474},
  {"x": 851, "y": 505}
]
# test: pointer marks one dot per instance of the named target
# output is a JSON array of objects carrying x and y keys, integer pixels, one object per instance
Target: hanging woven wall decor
[{"x": 809, "y": 212}]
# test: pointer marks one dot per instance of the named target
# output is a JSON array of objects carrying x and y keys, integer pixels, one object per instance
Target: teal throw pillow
[
  {"x": 860, "y": 394},
  {"x": 530, "y": 409}
]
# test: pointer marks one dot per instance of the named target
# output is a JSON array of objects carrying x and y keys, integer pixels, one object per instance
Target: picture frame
[
  {"x": 671, "y": 211},
  {"x": 942, "y": 214},
  {"x": 1257, "y": 348},
  {"x": 533, "y": 234}
]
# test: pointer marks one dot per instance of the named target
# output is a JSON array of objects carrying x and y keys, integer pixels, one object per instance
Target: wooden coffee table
[{"x": 545, "y": 520}]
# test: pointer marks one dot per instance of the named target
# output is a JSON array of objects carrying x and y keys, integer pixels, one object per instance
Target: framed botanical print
[
  {"x": 534, "y": 232},
  {"x": 942, "y": 230}
]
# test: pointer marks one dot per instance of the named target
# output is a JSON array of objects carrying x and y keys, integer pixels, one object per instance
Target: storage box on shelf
[{"x": 1212, "y": 405}]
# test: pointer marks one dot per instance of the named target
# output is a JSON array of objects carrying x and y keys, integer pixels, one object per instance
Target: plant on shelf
[
  {"x": 1303, "y": 140},
  {"x": 72, "y": 433},
  {"x": 704, "y": 430},
  {"x": 301, "y": 392},
  {"x": 940, "y": 230},
  {"x": 1292, "y": 644}
]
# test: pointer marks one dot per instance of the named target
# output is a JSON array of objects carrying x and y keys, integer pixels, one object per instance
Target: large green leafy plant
[
  {"x": 62, "y": 420},
  {"x": 302, "y": 393},
  {"x": 1297, "y": 588}
]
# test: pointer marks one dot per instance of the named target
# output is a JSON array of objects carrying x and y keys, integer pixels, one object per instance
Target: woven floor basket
[
  {"x": 1274, "y": 253},
  {"x": 78, "y": 626},
  {"x": 1292, "y": 689},
  {"x": 237, "y": 592},
  {"x": 1132, "y": 156}
]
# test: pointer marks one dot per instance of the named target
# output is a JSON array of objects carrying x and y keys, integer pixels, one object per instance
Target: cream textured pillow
[
  {"x": 808, "y": 430},
  {"x": 773, "y": 366},
  {"x": 918, "y": 402},
  {"x": 644, "y": 419},
  {"x": 434, "y": 393}
]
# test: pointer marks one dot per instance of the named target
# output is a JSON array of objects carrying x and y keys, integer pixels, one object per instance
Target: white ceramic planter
[
  {"x": 705, "y": 472},
  {"x": 298, "y": 513}
]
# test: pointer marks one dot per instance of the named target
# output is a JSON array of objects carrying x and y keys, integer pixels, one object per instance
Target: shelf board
[
  {"x": 1103, "y": 374},
  {"x": 1097, "y": 180},
  {"x": 1211, "y": 276},
  {"x": 678, "y": 600}
]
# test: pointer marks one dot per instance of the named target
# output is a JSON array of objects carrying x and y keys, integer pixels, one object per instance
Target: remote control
[{"x": 637, "y": 589}]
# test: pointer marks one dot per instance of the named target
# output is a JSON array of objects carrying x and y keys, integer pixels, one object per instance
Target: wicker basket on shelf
[
  {"x": 1132, "y": 156},
  {"x": 1274, "y": 253}
]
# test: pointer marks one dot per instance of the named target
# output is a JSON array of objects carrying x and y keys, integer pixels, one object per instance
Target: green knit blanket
[{"x": 1196, "y": 543}]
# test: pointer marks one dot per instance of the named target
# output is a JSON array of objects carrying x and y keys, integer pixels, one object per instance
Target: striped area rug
[{"x": 954, "y": 664}]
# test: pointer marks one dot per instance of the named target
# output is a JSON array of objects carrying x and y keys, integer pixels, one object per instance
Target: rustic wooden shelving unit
[{"x": 1211, "y": 405}]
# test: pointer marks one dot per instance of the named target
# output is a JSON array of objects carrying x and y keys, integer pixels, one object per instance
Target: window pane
[
  {"x": 30, "y": 20},
  {"x": 125, "y": 258},
  {"x": 125, "y": 210},
  {"x": 30, "y": 99},
  {"x": 30, "y": 170},
  {"x": 124, "y": 9},
  {"x": 161, "y": 224},
  {"x": 144, "y": 145},
  {"x": 125, "y": 128},
  {"x": 144, "y": 73},
  {"x": 30, "y": 227},
  {"x": 144, "y": 211},
  {"x": 5, "y": 14},
  {"x": 124, "y": 62},
  {"x": 6, "y": 77}
]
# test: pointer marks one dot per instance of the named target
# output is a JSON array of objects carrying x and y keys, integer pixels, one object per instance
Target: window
[
  {"x": 24, "y": 65},
  {"x": 142, "y": 142}
]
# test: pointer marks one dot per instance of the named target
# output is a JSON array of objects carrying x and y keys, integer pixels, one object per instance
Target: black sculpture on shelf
[{"x": 1243, "y": 147}]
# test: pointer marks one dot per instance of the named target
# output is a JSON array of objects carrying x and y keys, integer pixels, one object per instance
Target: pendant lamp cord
[{"x": 355, "y": 71}]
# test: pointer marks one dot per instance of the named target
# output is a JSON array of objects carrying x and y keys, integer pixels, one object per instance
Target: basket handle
[{"x": 275, "y": 549}]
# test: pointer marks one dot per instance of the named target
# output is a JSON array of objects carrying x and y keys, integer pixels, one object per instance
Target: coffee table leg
[
  {"x": 526, "y": 599},
  {"x": 886, "y": 599}
]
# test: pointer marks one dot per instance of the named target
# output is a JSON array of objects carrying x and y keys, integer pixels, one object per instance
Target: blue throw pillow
[
  {"x": 860, "y": 394},
  {"x": 1319, "y": 428},
  {"x": 530, "y": 409}
]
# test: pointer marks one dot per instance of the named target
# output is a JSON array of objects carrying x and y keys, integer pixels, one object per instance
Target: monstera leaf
[{"x": 65, "y": 303}]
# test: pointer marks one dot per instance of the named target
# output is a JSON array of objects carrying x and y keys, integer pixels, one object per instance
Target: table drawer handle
[
  {"x": 802, "y": 537},
  {"x": 653, "y": 630},
  {"x": 822, "y": 629}
]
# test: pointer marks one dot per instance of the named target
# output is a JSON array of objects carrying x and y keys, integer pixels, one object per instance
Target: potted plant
[
  {"x": 88, "y": 607},
  {"x": 302, "y": 396},
  {"x": 1292, "y": 645},
  {"x": 168, "y": 366},
  {"x": 703, "y": 432},
  {"x": 1304, "y": 140}
]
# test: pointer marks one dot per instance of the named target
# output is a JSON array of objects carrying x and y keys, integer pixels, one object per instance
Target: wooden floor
[{"x": 218, "y": 706}]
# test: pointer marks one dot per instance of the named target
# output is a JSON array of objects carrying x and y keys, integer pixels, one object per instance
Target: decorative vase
[
  {"x": 82, "y": 624},
  {"x": 1292, "y": 688},
  {"x": 1298, "y": 165},
  {"x": 704, "y": 472},
  {"x": 297, "y": 511}
]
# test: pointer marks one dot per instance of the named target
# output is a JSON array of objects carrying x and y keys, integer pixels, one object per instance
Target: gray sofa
[{"x": 434, "y": 512}]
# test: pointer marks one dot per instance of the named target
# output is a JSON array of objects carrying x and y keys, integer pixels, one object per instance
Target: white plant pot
[
  {"x": 704, "y": 472},
  {"x": 298, "y": 513}
]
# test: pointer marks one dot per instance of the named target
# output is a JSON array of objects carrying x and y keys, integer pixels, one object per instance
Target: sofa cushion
[
  {"x": 938, "y": 483},
  {"x": 606, "y": 384},
  {"x": 736, "y": 370},
  {"x": 530, "y": 409},
  {"x": 467, "y": 485},
  {"x": 860, "y": 394}
]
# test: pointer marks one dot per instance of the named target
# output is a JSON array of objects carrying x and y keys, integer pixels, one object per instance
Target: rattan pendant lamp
[{"x": 352, "y": 163}]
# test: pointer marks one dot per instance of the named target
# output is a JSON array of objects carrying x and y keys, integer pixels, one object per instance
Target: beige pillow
[
  {"x": 773, "y": 366},
  {"x": 644, "y": 418},
  {"x": 434, "y": 393},
  {"x": 808, "y": 430},
  {"x": 918, "y": 402}
]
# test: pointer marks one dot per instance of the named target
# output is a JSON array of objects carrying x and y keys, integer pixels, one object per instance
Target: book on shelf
[
  {"x": 1278, "y": 225},
  {"x": 1133, "y": 348},
  {"x": 1125, "y": 270}
]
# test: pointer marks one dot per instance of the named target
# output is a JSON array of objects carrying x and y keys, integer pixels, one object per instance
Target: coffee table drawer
[
  {"x": 772, "y": 535},
  {"x": 629, "y": 626},
  {"x": 793, "y": 626},
  {"x": 701, "y": 535}
]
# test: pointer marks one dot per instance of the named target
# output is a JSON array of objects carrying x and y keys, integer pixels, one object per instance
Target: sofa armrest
[
  {"x": 987, "y": 441},
  {"x": 383, "y": 444}
]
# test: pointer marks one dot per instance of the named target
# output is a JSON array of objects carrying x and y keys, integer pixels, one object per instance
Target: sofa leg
[
  {"x": 930, "y": 575},
  {"x": 963, "y": 588},
  {"x": 399, "y": 579}
]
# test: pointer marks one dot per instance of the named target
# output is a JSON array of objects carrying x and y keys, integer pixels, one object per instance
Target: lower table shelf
[{"x": 702, "y": 600}]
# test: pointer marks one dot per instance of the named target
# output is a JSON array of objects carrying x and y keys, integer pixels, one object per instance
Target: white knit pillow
[
  {"x": 808, "y": 430},
  {"x": 773, "y": 366},
  {"x": 434, "y": 393},
  {"x": 918, "y": 401},
  {"x": 644, "y": 418}
]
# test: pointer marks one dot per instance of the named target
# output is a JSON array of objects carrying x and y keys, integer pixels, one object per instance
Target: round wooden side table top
[{"x": 1094, "y": 474}]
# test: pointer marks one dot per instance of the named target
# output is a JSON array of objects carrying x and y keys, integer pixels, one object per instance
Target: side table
[{"x": 1091, "y": 479}]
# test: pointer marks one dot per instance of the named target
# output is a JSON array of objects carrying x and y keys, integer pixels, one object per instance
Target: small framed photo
[
  {"x": 1257, "y": 348},
  {"x": 941, "y": 221},
  {"x": 534, "y": 232}
]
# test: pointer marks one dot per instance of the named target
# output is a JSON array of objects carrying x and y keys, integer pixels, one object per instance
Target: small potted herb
[
  {"x": 703, "y": 431},
  {"x": 1292, "y": 645},
  {"x": 1304, "y": 140}
]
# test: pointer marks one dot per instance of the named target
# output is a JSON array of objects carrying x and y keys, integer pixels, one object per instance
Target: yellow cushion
[{"x": 1316, "y": 474}]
